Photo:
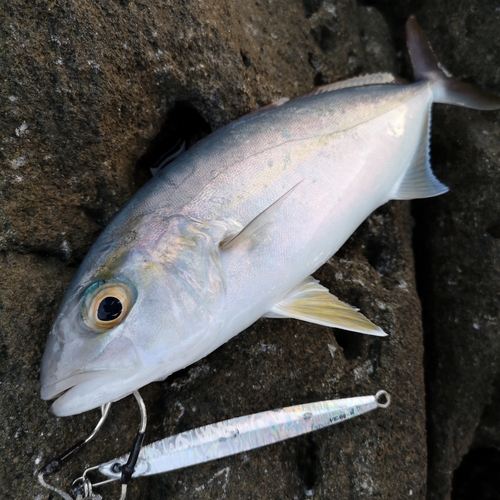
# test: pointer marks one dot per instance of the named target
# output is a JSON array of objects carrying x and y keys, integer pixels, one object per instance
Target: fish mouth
[
  {"x": 85, "y": 391},
  {"x": 57, "y": 389},
  {"x": 113, "y": 374}
]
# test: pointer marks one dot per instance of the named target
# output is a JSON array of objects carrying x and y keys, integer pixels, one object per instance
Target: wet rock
[{"x": 458, "y": 256}]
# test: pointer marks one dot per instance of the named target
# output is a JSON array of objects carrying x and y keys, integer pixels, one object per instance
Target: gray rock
[
  {"x": 459, "y": 255},
  {"x": 87, "y": 87}
]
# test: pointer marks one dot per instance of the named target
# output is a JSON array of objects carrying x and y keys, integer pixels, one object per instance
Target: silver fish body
[{"x": 232, "y": 229}]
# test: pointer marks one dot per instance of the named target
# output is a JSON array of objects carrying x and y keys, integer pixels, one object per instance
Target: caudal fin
[{"x": 445, "y": 89}]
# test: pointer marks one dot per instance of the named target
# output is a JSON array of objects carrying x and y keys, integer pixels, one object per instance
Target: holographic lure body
[{"x": 241, "y": 434}]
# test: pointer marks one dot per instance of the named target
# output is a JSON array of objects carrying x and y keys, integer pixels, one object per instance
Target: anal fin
[
  {"x": 419, "y": 181},
  {"x": 312, "y": 302}
]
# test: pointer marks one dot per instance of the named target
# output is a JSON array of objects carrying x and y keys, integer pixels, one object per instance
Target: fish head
[{"x": 146, "y": 301}]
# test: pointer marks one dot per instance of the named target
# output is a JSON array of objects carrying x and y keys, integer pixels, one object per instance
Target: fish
[{"x": 232, "y": 229}]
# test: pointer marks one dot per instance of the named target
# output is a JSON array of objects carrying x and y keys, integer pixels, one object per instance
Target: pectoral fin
[
  {"x": 312, "y": 302},
  {"x": 256, "y": 225}
]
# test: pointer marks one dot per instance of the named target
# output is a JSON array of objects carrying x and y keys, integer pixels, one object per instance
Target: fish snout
[{"x": 61, "y": 376}]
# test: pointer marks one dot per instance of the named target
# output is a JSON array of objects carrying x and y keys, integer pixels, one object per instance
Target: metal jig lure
[
  {"x": 209, "y": 442},
  {"x": 236, "y": 435}
]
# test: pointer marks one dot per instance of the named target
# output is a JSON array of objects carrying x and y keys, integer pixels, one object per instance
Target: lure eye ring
[
  {"x": 106, "y": 304},
  {"x": 383, "y": 399}
]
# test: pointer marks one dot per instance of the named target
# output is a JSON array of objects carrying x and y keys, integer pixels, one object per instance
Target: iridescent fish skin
[{"x": 233, "y": 228}]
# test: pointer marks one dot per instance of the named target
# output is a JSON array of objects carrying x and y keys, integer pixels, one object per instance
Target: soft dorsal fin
[
  {"x": 312, "y": 302},
  {"x": 256, "y": 225},
  {"x": 357, "y": 81},
  {"x": 418, "y": 181}
]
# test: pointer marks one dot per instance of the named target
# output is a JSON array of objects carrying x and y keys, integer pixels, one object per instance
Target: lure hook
[
  {"x": 84, "y": 491},
  {"x": 128, "y": 469},
  {"x": 54, "y": 465}
]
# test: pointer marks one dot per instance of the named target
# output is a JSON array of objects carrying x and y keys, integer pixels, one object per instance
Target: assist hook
[
  {"x": 84, "y": 491},
  {"x": 54, "y": 465}
]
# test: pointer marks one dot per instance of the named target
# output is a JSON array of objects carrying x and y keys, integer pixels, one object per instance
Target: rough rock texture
[
  {"x": 459, "y": 263},
  {"x": 86, "y": 88}
]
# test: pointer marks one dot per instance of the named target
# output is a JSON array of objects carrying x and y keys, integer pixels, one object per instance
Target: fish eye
[
  {"x": 109, "y": 309},
  {"x": 105, "y": 305}
]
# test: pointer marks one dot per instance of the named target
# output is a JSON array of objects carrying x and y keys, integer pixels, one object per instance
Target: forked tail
[{"x": 445, "y": 89}]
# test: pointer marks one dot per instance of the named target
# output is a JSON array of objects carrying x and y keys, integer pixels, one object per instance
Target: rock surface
[
  {"x": 88, "y": 87},
  {"x": 458, "y": 263}
]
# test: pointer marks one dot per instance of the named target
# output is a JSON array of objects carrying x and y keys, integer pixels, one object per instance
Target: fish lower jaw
[
  {"x": 84, "y": 392},
  {"x": 57, "y": 389}
]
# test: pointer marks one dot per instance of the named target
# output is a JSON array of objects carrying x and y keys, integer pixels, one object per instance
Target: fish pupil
[{"x": 109, "y": 309}]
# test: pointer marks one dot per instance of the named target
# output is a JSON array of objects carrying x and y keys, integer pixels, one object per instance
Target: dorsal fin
[
  {"x": 357, "y": 81},
  {"x": 177, "y": 149},
  {"x": 309, "y": 301}
]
